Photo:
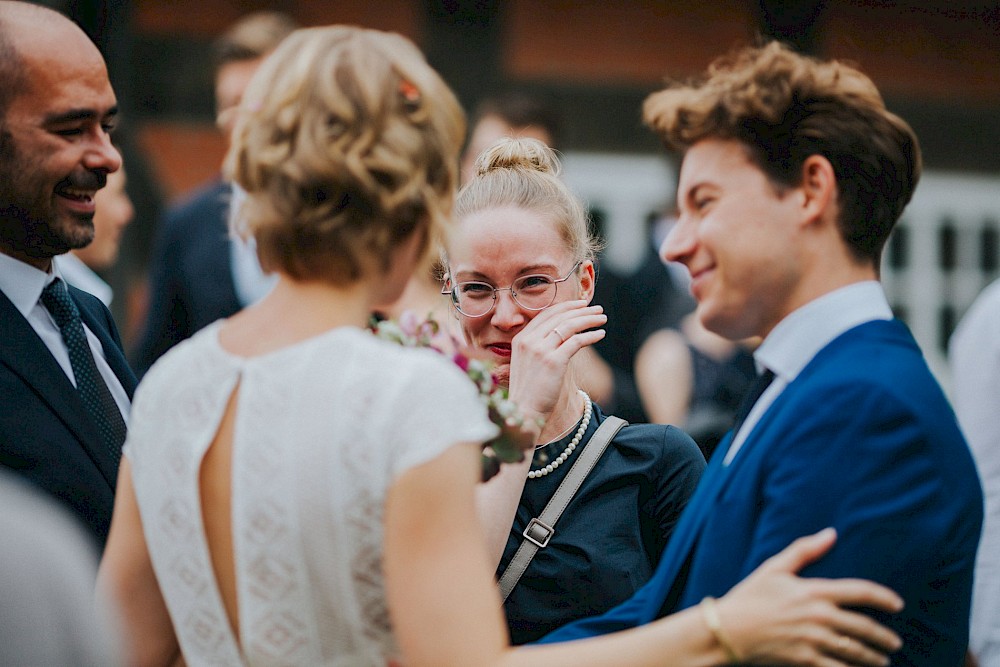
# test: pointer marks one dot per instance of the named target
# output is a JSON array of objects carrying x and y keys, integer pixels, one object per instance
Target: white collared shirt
[
  {"x": 799, "y": 337},
  {"x": 23, "y": 285},
  {"x": 81, "y": 276}
]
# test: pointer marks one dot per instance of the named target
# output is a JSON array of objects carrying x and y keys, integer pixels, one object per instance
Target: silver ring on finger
[{"x": 562, "y": 339}]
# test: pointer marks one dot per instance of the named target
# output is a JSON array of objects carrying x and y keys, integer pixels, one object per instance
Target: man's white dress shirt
[
  {"x": 81, "y": 276},
  {"x": 23, "y": 285},
  {"x": 799, "y": 337}
]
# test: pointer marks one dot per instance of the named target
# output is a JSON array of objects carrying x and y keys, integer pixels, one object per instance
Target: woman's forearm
[
  {"x": 681, "y": 639},
  {"x": 496, "y": 504}
]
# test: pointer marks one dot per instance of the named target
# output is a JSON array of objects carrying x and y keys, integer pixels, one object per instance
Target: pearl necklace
[{"x": 587, "y": 411}]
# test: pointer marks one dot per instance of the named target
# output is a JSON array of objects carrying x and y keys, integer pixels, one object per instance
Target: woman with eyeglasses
[{"x": 520, "y": 271}]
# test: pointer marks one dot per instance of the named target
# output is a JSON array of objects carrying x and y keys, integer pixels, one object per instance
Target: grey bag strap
[{"x": 540, "y": 530}]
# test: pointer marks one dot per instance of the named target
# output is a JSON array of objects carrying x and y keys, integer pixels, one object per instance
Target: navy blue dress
[{"x": 609, "y": 540}]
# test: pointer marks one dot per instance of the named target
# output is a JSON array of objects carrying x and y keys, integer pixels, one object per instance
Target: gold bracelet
[{"x": 711, "y": 615}]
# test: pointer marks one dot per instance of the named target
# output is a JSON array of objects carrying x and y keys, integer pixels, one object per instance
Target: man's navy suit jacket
[
  {"x": 191, "y": 278},
  {"x": 862, "y": 440},
  {"x": 46, "y": 433}
]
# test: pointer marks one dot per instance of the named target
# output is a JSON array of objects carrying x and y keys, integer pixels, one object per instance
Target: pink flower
[
  {"x": 509, "y": 446},
  {"x": 461, "y": 361},
  {"x": 410, "y": 323}
]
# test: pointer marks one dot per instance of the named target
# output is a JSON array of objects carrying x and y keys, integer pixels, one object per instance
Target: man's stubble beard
[{"x": 30, "y": 225}]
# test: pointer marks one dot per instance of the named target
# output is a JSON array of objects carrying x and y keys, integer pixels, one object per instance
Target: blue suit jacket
[
  {"x": 862, "y": 440},
  {"x": 46, "y": 434},
  {"x": 191, "y": 278}
]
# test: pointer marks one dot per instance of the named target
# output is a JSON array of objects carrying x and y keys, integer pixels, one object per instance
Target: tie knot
[
  {"x": 56, "y": 299},
  {"x": 760, "y": 385},
  {"x": 754, "y": 392}
]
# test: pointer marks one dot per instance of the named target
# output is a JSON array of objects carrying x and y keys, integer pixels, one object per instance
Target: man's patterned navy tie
[{"x": 93, "y": 390}]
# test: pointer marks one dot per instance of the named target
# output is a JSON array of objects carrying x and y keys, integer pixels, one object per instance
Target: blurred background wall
[{"x": 594, "y": 61}]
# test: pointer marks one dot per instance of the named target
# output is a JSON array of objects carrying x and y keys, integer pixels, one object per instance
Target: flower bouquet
[{"x": 507, "y": 447}]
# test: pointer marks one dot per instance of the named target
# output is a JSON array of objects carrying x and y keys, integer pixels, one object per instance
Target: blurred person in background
[
  {"x": 113, "y": 213},
  {"x": 974, "y": 353},
  {"x": 512, "y": 114},
  {"x": 198, "y": 273},
  {"x": 709, "y": 376},
  {"x": 653, "y": 297},
  {"x": 48, "y": 615}
]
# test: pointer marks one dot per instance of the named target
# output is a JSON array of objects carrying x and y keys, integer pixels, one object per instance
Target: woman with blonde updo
[
  {"x": 520, "y": 229},
  {"x": 296, "y": 491}
]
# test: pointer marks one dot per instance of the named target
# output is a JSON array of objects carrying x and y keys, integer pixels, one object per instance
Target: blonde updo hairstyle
[
  {"x": 347, "y": 145},
  {"x": 524, "y": 173}
]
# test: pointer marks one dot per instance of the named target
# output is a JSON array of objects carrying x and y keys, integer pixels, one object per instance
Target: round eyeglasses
[{"x": 535, "y": 292}]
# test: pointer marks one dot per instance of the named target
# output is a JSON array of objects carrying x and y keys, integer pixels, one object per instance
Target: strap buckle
[{"x": 538, "y": 532}]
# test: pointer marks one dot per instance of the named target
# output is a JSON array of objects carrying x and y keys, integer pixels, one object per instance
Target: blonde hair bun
[
  {"x": 524, "y": 173},
  {"x": 518, "y": 153}
]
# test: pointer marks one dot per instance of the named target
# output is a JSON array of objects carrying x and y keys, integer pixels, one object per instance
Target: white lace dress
[{"x": 322, "y": 430}]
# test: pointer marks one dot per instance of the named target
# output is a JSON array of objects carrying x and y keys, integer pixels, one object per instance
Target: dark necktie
[
  {"x": 762, "y": 382},
  {"x": 93, "y": 390}
]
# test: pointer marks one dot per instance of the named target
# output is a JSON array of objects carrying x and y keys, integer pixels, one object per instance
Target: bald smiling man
[{"x": 65, "y": 383}]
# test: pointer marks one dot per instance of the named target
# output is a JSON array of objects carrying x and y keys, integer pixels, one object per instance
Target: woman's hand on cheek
[{"x": 541, "y": 352}]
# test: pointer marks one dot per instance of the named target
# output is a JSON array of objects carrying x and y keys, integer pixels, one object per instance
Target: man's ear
[
  {"x": 819, "y": 188},
  {"x": 588, "y": 280}
]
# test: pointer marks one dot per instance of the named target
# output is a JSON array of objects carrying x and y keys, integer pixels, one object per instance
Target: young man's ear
[{"x": 819, "y": 187}]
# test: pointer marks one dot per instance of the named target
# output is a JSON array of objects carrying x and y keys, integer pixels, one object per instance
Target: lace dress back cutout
[{"x": 321, "y": 430}]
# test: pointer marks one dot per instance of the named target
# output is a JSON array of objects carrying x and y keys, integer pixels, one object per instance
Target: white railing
[
  {"x": 626, "y": 189},
  {"x": 943, "y": 252}
]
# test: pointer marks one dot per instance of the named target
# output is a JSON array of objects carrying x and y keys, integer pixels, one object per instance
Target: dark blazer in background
[
  {"x": 46, "y": 434},
  {"x": 190, "y": 275},
  {"x": 637, "y": 305}
]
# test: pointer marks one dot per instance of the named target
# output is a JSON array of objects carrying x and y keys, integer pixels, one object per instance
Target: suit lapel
[
  {"x": 24, "y": 353},
  {"x": 716, "y": 479},
  {"x": 685, "y": 535}
]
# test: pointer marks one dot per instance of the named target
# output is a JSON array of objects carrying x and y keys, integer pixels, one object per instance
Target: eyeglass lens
[{"x": 531, "y": 292}]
